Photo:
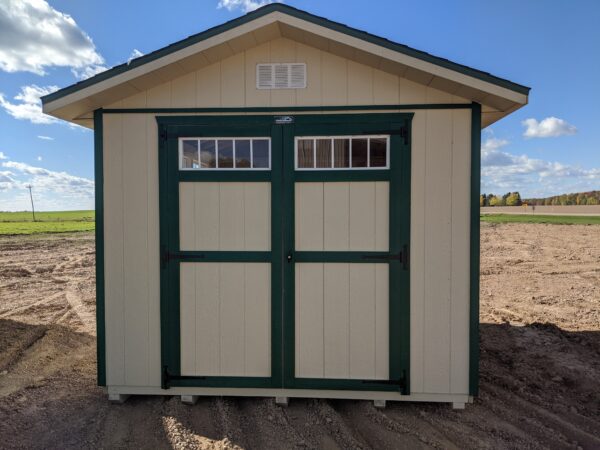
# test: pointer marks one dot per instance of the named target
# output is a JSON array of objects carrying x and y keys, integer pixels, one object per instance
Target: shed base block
[
  {"x": 125, "y": 391},
  {"x": 458, "y": 405},
  {"x": 282, "y": 401},
  {"x": 189, "y": 399},
  {"x": 117, "y": 398},
  {"x": 379, "y": 404}
]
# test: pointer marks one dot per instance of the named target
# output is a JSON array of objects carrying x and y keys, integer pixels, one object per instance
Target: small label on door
[{"x": 282, "y": 120}]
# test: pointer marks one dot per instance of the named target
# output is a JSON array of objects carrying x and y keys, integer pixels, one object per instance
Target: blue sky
[{"x": 549, "y": 147}]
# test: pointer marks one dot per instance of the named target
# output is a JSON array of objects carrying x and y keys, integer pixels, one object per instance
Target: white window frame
[
  {"x": 349, "y": 137},
  {"x": 217, "y": 138}
]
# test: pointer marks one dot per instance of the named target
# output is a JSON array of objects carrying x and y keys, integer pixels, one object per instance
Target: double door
[{"x": 284, "y": 251}]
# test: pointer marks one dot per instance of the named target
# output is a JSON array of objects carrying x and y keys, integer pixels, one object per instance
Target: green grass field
[
  {"x": 526, "y": 218},
  {"x": 12, "y": 223}
]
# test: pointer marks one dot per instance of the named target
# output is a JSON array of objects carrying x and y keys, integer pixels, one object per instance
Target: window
[
  {"x": 342, "y": 152},
  {"x": 225, "y": 153}
]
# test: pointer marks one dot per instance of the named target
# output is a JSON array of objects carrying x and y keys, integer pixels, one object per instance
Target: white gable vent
[{"x": 281, "y": 76}]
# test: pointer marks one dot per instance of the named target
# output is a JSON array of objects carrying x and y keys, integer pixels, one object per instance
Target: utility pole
[{"x": 31, "y": 197}]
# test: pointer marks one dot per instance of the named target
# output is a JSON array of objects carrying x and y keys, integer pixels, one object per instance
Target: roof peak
[{"x": 299, "y": 14}]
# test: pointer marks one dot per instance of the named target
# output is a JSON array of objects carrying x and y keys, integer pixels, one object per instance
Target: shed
[{"x": 288, "y": 207}]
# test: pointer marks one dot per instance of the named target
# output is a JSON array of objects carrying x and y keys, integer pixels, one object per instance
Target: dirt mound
[{"x": 540, "y": 362}]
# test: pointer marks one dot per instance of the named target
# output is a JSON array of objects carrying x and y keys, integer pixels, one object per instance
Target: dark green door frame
[
  {"x": 398, "y": 126},
  {"x": 170, "y": 130},
  {"x": 282, "y": 177}
]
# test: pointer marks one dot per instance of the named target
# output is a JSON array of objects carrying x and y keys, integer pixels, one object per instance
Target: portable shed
[{"x": 288, "y": 207}]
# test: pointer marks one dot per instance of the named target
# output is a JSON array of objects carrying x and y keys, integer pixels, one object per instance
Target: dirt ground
[{"x": 540, "y": 362}]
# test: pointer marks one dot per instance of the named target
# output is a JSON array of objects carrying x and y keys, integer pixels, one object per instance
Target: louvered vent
[{"x": 281, "y": 76}]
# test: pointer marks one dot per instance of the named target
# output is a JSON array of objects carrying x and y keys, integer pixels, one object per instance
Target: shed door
[
  {"x": 347, "y": 265},
  {"x": 284, "y": 251},
  {"x": 221, "y": 271}
]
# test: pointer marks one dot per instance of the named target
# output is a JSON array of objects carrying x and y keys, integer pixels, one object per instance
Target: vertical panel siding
[
  {"x": 440, "y": 148},
  {"x": 225, "y": 318},
  {"x": 135, "y": 226},
  {"x": 309, "y": 320},
  {"x": 459, "y": 312},
  {"x": 342, "y": 216},
  {"x": 341, "y": 318},
  {"x": 114, "y": 243},
  {"x": 336, "y": 310},
  {"x": 225, "y": 216},
  {"x": 438, "y": 216}
]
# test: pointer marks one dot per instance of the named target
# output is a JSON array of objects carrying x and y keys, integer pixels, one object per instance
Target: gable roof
[{"x": 290, "y": 24}]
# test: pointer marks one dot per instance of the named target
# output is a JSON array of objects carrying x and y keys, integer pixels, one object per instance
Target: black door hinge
[
  {"x": 165, "y": 378},
  {"x": 164, "y": 135},
  {"x": 400, "y": 383},
  {"x": 404, "y": 134},
  {"x": 168, "y": 377},
  {"x": 167, "y": 255},
  {"x": 401, "y": 256}
]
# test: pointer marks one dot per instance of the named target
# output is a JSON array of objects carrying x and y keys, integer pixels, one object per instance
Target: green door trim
[
  {"x": 170, "y": 130},
  {"x": 398, "y": 125},
  {"x": 99, "y": 233}
]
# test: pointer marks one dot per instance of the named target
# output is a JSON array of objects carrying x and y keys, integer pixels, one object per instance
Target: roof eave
[{"x": 62, "y": 103}]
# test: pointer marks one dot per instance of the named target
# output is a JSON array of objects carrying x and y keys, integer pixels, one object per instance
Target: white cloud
[
  {"x": 134, "y": 54},
  {"x": 88, "y": 71},
  {"x": 3, "y": 156},
  {"x": 243, "y": 5},
  {"x": 46, "y": 138},
  {"x": 39, "y": 158},
  {"x": 502, "y": 172},
  {"x": 35, "y": 36},
  {"x": 548, "y": 127},
  {"x": 7, "y": 181},
  {"x": 29, "y": 105},
  {"x": 48, "y": 181},
  {"x": 51, "y": 190}
]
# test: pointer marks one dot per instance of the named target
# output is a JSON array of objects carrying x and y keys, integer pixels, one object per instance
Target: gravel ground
[{"x": 540, "y": 362}]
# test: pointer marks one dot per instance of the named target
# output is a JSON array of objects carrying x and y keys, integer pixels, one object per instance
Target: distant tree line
[
  {"x": 514, "y": 199},
  {"x": 508, "y": 199},
  {"x": 579, "y": 198}
]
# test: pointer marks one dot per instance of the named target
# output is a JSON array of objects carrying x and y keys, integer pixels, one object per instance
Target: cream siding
[
  {"x": 341, "y": 318},
  {"x": 225, "y": 216},
  {"x": 225, "y": 319},
  {"x": 342, "y": 216},
  {"x": 439, "y": 208}
]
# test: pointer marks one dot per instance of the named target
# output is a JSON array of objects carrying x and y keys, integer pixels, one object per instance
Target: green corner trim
[
  {"x": 99, "y": 206},
  {"x": 474, "y": 269},
  {"x": 297, "y": 13}
]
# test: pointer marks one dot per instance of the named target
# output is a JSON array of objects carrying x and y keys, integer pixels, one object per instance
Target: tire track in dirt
[
  {"x": 9, "y": 312},
  {"x": 336, "y": 425}
]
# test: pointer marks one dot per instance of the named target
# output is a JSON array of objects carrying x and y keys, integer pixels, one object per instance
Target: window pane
[
  {"x": 189, "y": 158},
  {"x": 225, "y": 153},
  {"x": 341, "y": 152},
  {"x": 359, "y": 152},
  {"x": 378, "y": 147},
  {"x": 242, "y": 153},
  {"x": 324, "y": 153},
  {"x": 305, "y": 154},
  {"x": 208, "y": 159},
  {"x": 260, "y": 153}
]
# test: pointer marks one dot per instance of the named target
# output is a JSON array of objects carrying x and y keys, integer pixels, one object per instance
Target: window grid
[
  {"x": 350, "y": 162},
  {"x": 216, "y": 140}
]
